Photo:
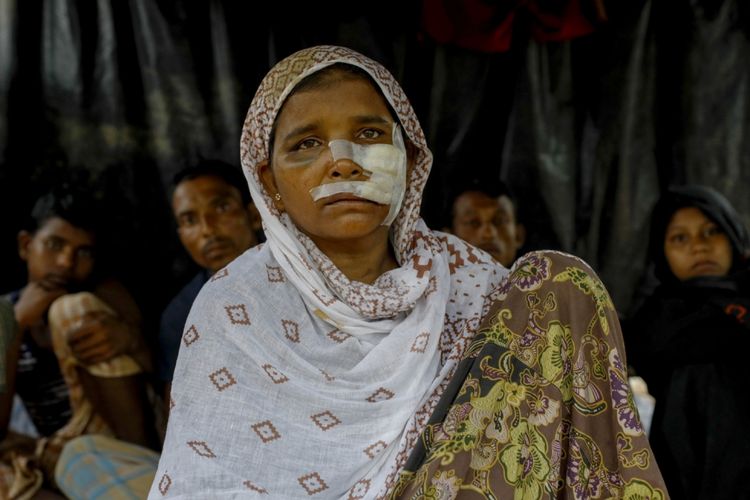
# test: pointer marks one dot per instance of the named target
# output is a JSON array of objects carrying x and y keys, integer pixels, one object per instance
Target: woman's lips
[
  {"x": 343, "y": 198},
  {"x": 705, "y": 265}
]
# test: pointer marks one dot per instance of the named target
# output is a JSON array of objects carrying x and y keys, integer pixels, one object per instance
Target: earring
[{"x": 277, "y": 197}]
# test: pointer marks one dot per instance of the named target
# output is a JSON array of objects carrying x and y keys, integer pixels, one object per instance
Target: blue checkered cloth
[{"x": 100, "y": 467}]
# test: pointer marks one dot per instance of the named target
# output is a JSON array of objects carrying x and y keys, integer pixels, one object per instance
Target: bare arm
[
  {"x": 101, "y": 336},
  {"x": 15, "y": 322},
  {"x": 10, "y": 343},
  {"x": 123, "y": 404}
]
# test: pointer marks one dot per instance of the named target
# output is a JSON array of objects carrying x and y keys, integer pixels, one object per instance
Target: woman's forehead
[{"x": 355, "y": 99}]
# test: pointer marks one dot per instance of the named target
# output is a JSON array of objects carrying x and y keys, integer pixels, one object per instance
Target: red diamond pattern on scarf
[
  {"x": 164, "y": 484},
  {"x": 326, "y": 299},
  {"x": 456, "y": 260},
  {"x": 375, "y": 449},
  {"x": 274, "y": 274},
  {"x": 329, "y": 378},
  {"x": 190, "y": 335},
  {"x": 421, "y": 269},
  {"x": 312, "y": 483},
  {"x": 222, "y": 379},
  {"x": 220, "y": 274},
  {"x": 420, "y": 343},
  {"x": 266, "y": 431},
  {"x": 431, "y": 287},
  {"x": 275, "y": 375},
  {"x": 382, "y": 394},
  {"x": 338, "y": 336},
  {"x": 252, "y": 486},
  {"x": 238, "y": 314},
  {"x": 291, "y": 330},
  {"x": 325, "y": 420},
  {"x": 201, "y": 448},
  {"x": 359, "y": 490}
]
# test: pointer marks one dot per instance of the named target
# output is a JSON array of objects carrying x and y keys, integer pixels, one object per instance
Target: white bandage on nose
[{"x": 386, "y": 164}]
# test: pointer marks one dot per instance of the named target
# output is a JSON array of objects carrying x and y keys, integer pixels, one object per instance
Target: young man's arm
[
  {"x": 10, "y": 342},
  {"x": 102, "y": 337},
  {"x": 15, "y": 321}
]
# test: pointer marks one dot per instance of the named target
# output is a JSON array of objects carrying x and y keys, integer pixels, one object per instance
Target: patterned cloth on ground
[
  {"x": 100, "y": 467},
  {"x": 22, "y": 474}
]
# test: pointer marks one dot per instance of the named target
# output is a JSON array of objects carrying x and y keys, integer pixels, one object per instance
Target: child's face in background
[{"x": 696, "y": 246}]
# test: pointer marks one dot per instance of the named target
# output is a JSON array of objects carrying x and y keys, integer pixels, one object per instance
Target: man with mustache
[
  {"x": 486, "y": 217},
  {"x": 216, "y": 222},
  {"x": 78, "y": 358}
]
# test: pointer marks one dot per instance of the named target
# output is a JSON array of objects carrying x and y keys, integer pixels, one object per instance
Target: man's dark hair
[
  {"x": 72, "y": 203},
  {"x": 494, "y": 188},
  {"x": 215, "y": 168}
]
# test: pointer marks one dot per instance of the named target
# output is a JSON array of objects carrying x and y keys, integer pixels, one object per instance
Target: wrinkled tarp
[{"x": 587, "y": 132}]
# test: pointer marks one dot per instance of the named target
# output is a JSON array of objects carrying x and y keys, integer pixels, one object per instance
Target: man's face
[
  {"x": 213, "y": 224},
  {"x": 58, "y": 254},
  {"x": 488, "y": 223}
]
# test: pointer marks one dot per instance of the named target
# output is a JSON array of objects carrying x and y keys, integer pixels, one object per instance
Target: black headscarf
[{"x": 715, "y": 206}]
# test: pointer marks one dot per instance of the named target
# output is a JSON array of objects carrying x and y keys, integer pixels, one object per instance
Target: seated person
[
  {"x": 689, "y": 342},
  {"x": 486, "y": 216},
  {"x": 359, "y": 354},
  {"x": 216, "y": 222},
  {"x": 78, "y": 358}
]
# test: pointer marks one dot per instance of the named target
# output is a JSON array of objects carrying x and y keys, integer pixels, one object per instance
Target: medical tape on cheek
[{"x": 386, "y": 164}]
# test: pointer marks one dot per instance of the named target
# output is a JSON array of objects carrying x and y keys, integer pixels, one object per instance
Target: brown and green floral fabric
[{"x": 540, "y": 405}]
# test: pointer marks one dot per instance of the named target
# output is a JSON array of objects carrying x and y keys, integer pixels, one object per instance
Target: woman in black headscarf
[{"x": 690, "y": 342}]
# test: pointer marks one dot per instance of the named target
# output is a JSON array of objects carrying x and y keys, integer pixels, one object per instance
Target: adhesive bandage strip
[{"x": 386, "y": 164}]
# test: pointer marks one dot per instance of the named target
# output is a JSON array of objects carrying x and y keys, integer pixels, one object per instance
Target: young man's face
[
  {"x": 488, "y": 223},
  {"x": 58, "y": 254},
  {"x": 214, "y": 225}
]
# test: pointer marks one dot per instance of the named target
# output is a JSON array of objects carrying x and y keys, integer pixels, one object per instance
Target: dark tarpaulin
[{"x": 587, "y": 131}]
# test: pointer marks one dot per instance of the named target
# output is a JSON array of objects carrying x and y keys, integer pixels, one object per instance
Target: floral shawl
[
  {"x": 540, "y": 406},
  {"x": 293, "y": 381}
]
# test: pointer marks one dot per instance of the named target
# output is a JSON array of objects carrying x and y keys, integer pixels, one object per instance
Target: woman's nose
[
  {"x": 345, "y": 168},
  {"x": 700, "y": 244}
]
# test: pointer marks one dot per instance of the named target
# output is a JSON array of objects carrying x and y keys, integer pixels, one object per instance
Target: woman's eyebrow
[
  {"x": 302, "y": 129},
  {"x": 371, "y": 119}
]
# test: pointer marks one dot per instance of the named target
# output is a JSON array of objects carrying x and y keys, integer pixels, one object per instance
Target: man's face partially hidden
[{"x": 488, "y": 223}]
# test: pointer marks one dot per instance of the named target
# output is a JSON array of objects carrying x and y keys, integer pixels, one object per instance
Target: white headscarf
[{"x": 293, "y": 381}]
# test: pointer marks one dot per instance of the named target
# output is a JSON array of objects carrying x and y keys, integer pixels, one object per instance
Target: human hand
[
  {"x": 35, "y": 299},
  {"x": 98, "y": 337}
]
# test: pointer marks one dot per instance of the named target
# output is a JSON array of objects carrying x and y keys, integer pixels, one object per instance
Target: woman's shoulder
[
  {"x": 463, "y": 254},
  {"x": 246, "y": 274}
]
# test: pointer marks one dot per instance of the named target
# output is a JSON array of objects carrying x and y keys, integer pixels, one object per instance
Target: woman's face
[
  {"x": 343, "y": 108},
  {"x": 695, "y": 246}
]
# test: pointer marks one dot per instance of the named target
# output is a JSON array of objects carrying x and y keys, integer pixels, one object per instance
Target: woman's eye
[
  {"x": 370, "y": 133},
  {"x": 308, "y": 144},
  {"x": 713, "y": 231},
  {"x": 678, "y": 238}
]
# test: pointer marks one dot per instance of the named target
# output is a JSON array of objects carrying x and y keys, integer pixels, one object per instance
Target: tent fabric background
[{"x": 587, "y": 132}]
